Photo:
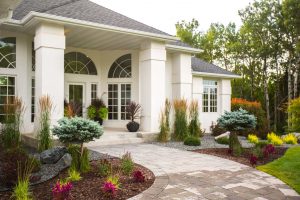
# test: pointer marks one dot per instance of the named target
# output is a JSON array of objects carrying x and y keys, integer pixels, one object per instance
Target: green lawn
[{"x": 286, "y": 168}]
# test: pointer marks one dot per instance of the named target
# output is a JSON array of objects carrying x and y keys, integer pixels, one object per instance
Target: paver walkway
[{"x": 187, "y": 175}]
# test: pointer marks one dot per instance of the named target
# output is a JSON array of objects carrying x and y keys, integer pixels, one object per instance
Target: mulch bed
[
  {"x": 244, "y": 158},
  {"x": 90, "y": 186}
]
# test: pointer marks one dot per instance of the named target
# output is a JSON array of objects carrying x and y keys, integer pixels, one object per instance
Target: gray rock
[
  {"x": 53, "y": 155},
  {"x": 65, "y": 161}
]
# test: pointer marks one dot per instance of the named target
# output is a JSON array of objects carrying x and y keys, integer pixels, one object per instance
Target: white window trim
[{"x": 208, "y": 98}]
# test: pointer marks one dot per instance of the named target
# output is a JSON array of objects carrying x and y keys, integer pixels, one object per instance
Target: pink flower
[
  {"x": 110, "y": 188},
  {"x": 61, "y": 191}
]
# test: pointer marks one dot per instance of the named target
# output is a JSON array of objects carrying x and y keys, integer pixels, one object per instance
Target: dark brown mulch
[
  {"x": 90, "y": 186},
  {"x": 244, "y": 158}
]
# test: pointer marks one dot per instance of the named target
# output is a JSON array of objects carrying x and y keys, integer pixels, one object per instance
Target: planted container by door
[
  {"x": 97, "y": 111},
  {"x": 133, "y": 111}
]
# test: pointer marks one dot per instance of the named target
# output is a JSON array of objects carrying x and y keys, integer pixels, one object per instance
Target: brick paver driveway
[{"x": 187, "y": 175}]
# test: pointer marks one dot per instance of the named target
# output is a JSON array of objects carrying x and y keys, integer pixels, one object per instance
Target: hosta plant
[
  {"x": 253, "y": 139},
  {"x": 290, "y": 139},
  {"x": 274, "y": 139}
]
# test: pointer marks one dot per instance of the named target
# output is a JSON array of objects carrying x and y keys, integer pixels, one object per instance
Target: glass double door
[
  {"x": 76, "y": 95},
  {"x": 119, "y": 96}
]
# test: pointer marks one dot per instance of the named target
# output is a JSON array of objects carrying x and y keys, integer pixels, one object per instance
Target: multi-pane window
[
  {"x": 32, "y": 99},
  {"x": 8, "y": 52},
  {"x": 210, "y": 96},
  {"x": 93, "y": 92},
  {"x": 113, "y": 101},
  {"x": 121, "y": 68},
  {"x": 7, "y": 94},
  {"x": 78, "y": 63},
  {"x": 125, "y": 100}
]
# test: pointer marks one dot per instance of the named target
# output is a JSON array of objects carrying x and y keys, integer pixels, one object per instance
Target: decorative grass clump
[
  {"x": 223, "y": 140},
  {"x": 194, "y": 125},
  {"x": 180, "y": 122},
  {"x": 10, "y": 133},
  {"x": 192, "y": 141},
  {"x": 127, "y": 164},
  {"x": 164, "y": 126},
  {"x": 79, "y": 163},
  {"x": 44, "y": 136}
]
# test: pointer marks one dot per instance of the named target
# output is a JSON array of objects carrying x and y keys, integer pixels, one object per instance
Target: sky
[{"x": 164, "y": 14}]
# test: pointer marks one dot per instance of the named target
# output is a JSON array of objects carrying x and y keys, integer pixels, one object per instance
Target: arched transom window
[
  {"x": 78, "y": 63},
  {"x": 8, "y": 52},
  {"x": 121, "y": 68}
]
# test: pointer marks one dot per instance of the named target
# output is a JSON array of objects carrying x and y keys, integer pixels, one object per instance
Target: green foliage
[
  {"x": 77, "y": 130},
  {"x": 234, "y": 144},
  {"x": 286, "y": 168},
  {"x": 180, "y": 122},
  {"x": 21, "y": 190},
  {"x": 223, "y": 140},
  {"x": 261, "y": 144},
  {"x": 194, "y": 125},
  {"x": 74, "y": 175},
  {"x": 36, "y": 164},
  {"x": 274, "y": 139},
  {"x": 44, "y": 135},
  {"x": 294, "y": 114},
  {"x": 238, "y": 120},
  {"x": 252, "y": 139},
  {"x": 127, "y": 164},
  {"x": 164, "y": 127},
  {"x": 104, "y": 168},
  {"x": 10, "y": 133},
  {"x": 97, "y": 109},
  {"x": 192, "y": 141},
  {"x": 290, "y": 139},
  {"x": 103, "y": 113},
  {"x": 79, "y": 162}
]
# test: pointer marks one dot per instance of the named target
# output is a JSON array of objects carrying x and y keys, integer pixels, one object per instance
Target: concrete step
[{"x": 114, "y": 141}]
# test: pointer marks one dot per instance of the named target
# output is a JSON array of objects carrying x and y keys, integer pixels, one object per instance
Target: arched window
[
  {"x": 121, "y": 68},
  {"x": 78, "y": 63},
  {"x": 8, "y": 52}
]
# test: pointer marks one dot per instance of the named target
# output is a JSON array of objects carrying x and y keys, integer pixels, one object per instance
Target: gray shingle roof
[
  {"x": 82, "y": 10},
  {"x": 180, "y": 43},
  {"x": 199, "y": 65}
]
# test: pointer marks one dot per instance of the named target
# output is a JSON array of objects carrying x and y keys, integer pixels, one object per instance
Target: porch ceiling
[{"x": 100, "y": 40}]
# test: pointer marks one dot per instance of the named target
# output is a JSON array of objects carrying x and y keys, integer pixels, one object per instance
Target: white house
[{"x": 79, "y": 50}]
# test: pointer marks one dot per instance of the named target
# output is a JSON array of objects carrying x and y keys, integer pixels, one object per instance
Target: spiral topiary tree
[{"x": 235, "y": 122}]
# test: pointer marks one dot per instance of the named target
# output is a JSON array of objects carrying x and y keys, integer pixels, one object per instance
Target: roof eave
[
  {"x": 183, "y": 49},
  {"x": 82, "y": 23},
  {"x": 216, "y": 75}
]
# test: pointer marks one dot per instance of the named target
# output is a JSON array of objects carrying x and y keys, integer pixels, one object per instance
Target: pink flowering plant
[
  {"x": 138, "y": 176},
  {"x": 111, "y": 186},
  {"x": 61, "y": 190}
]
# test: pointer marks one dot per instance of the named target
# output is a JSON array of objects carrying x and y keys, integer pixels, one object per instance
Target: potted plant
[
  {"x": 97, "y": 111},
  {"x": 133, "y": 111}
]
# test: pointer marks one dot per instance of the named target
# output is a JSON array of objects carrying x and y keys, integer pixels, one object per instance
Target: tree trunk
[
  {"x": 289, "y": 87},
  {"x": 296, "y": 82},
  {"x": 267, "y": 101}
]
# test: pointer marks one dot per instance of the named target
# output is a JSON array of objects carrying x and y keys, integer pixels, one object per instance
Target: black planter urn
[
  {"x": 99, "y": 120},
  {"x": 133, "y": 126}
]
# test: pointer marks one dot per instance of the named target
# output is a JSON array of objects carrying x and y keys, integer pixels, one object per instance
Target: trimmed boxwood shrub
[{"x": 192, "y": 141}]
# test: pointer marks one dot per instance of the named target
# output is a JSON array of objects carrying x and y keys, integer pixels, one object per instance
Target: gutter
[
  {"x": 206, "y": 74},
  {"x": 183, "y": 49},
  {"x": 69, "y": 21}
]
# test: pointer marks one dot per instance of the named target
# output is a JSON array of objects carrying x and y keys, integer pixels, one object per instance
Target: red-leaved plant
[
  {"x": 138, "y": 176},
  {"x": 268, "y": 150},
  {"x": 111, "y": 186},
  {"x": 253, "y": 160},
  {"x": 61, "y": 190}
]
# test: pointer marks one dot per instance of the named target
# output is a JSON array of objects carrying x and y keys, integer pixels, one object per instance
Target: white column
[
  {"x": 225, "y": 95},
  {"x": 152, "y": 83},
  {"x": 182, "y": 76},
  {"x": 49, "y": 46}
]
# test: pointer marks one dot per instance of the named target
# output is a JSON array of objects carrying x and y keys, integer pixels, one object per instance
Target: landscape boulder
[
  {"x": 65, "y": 161},
  {"x": 226, "y": 134},
  {"x": 51, "y": 156}
]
